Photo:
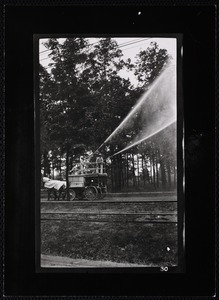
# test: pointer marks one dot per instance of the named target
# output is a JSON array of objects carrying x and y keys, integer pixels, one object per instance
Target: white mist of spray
[
  {"x": 159, "y": 109},
  {"x": 156, "y": 109},
  {"x": 143, "y": 139},
  {"x": 138, "y": 106}
]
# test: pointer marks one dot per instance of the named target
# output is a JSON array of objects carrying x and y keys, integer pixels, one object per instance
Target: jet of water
[
  {"x": 152, "y": 89},
  {"x": 160, "y": 108},
  {"x": 143, "y": 139}
]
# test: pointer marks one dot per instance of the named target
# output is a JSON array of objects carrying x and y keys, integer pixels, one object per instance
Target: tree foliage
[
  {"x": 150, "y": 63},
  {"x": 83, "y": 99}
]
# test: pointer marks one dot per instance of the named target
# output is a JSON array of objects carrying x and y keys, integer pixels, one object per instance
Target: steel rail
[
  {"x": 102, "y": 221},
  {"x": 108, "y": 214},
  {"x": 105, "y": 201}
]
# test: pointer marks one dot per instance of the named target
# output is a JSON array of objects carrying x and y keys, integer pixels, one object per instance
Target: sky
[{"x": 130, "y": 46}]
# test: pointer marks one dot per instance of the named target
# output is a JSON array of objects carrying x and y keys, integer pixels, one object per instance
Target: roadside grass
[{"x": 150, "y": 244}]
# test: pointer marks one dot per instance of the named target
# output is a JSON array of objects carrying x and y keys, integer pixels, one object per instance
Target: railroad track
[
  {"x": 125, "y": 211},
  {"x": 104, "y": 201},
  {"x": 121, "y": 197}
]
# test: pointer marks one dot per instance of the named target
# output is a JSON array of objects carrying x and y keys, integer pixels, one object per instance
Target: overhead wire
[
  {"x": 98, "y": 42},
  {"x": 119, "y": 46}
]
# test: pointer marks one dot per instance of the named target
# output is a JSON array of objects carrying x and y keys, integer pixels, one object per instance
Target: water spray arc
[
  {"x": 137, "y": 106},
  {"x": 143, "y": 139},
  {"x": 157, "y": 108}
]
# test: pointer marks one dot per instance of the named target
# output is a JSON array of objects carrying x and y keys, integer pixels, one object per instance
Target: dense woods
[{"x": 84, "y": 98}]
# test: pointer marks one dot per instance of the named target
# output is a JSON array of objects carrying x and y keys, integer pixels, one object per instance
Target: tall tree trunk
[
  {"x": 67, "y": 172},
  {"x": 163, "y": 174},
  {"x": 169, "y": 173},
  {"x": 162, "y": 170},
  {"x": 60, "y": 166},
  {"x": 127, "y": 170},
  {"x": 116, "y": 173},
  {"x": 174, "y": 178},
  {"x": 46, "y": 166},
  {"x": 151, "y": 172},
  {"x": 157, "y": 169},
  {"x": 52, "y": 167},
  {"x": 112, "y": 174},
  {"x": 154, "y": 173},
  {"x": 133, "y": 171},
  {"x": 143, "y": 168},
  {"x": 119, "y": 172},
  {"x": 138, "y": 168},
  {"x": 122, "y": 171}
]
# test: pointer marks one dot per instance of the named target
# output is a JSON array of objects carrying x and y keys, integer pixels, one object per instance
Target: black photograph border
[{"x": 21, "y": 24}]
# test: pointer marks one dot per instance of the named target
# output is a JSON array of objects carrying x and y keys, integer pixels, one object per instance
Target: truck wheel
[{"x": 91, "y": 193}]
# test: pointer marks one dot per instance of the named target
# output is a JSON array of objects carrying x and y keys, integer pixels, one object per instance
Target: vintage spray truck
[{"x": 89, "y": 182}]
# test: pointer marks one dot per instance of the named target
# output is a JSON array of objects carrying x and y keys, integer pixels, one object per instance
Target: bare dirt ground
[{"x": 59, "y": 261}]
